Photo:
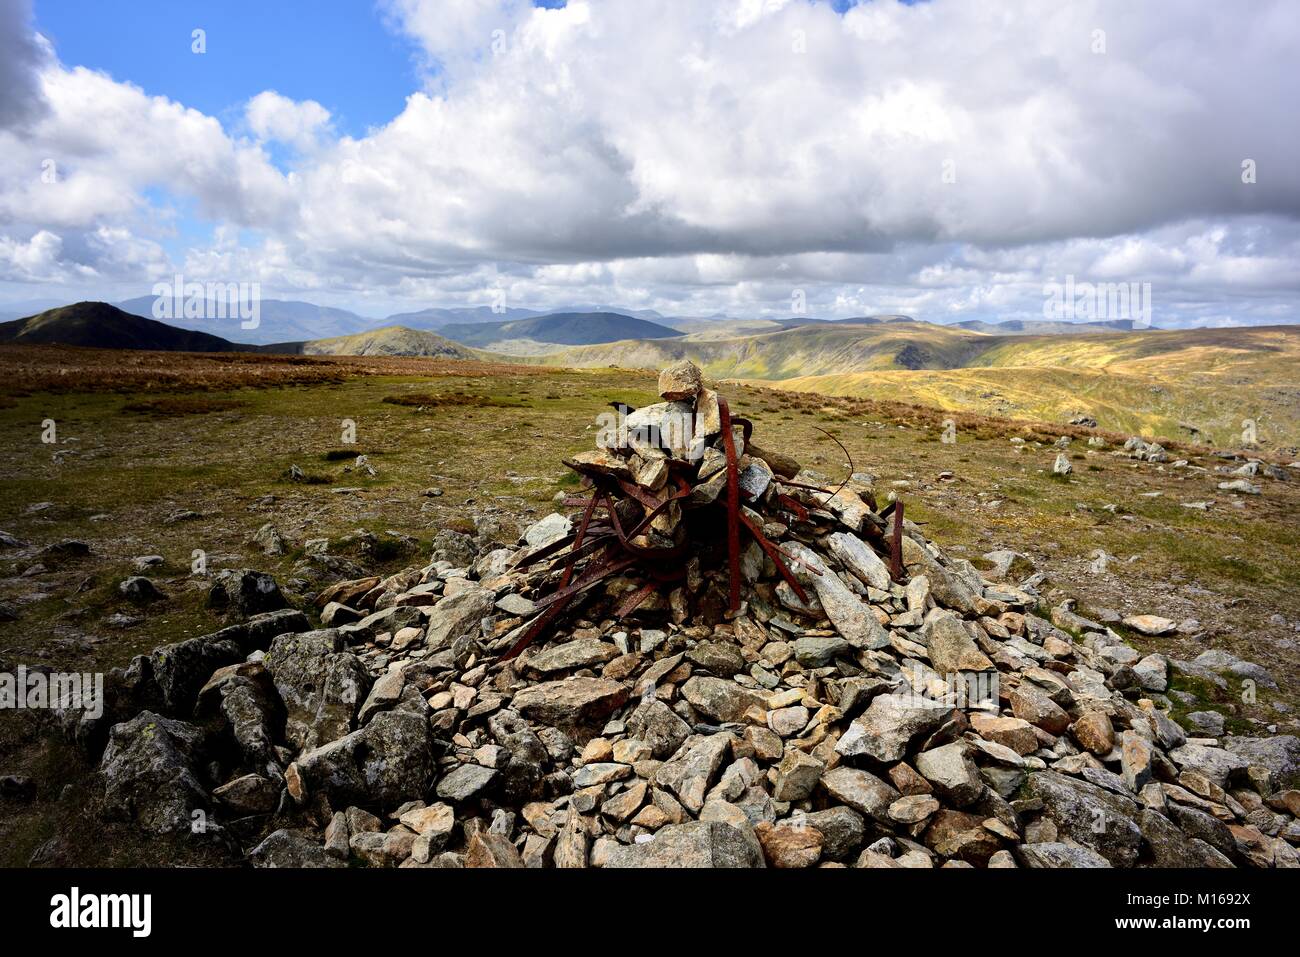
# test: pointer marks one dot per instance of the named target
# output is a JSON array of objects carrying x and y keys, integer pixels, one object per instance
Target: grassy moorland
[
  {"x": 169, "y": 454},
  {"x": 1159, "y": 382}
]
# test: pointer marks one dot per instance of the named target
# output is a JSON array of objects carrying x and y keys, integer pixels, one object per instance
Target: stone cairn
[{"x": 719, "y": 659}]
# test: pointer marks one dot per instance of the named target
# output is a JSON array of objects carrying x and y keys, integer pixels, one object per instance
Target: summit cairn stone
[{"x": 707, "y": 656}]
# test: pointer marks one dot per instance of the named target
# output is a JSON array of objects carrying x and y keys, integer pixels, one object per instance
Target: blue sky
[
  {"x": 337, "y": 52},
  {"x": 345, "y": 55},
  {"x": 948, "y": 159}
]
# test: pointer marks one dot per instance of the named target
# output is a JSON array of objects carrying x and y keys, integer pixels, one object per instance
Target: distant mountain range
[
  {"x": 102, "y": 326},
  {"x": 288, "y": 326},
  {"x": 541, "y": 334},
  {"x": 280, "y": 320},
  {"x": 1045, "y": 327},
  {"x": 1157, "y": 381}
]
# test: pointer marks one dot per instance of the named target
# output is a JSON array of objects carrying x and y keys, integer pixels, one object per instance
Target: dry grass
[
  {"x": 181, "y": 405},
  {"x": 1233, "y": 568},
  {"x": 429, "y": 400},
  {"x": 25, "y": 370}
]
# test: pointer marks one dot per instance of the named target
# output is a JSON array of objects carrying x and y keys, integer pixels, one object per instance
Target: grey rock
[
  {"x": 860, "y": 560},
  {"x": 1215, "y": 763},
  {"x": 292, "y": 848},
  {"x": 321, "y": 685},
  {"x": 953, "y": 774},
  {"x": 335, "y": 613},
  {"x": 948, "y": 588},
  {"x": 658, "y": 726},
  {"x": 458, "y": 617},
  {"x": 843, "y": 831},
  {"x": 694, "y": 844},
  {"x": 454, "y": 547},
  {"x": 796, "y": 776},
  {"x": 1053, "y": 854},
  {"x": 547, "y": 531},
  {"x": 851, "y": 616},
  {"x": 1205, "y": 827},
  {"x": 150, "y": 772},
  {"x": 245, "y": 591},
  {"x": 818, "y": 651},
  {"x": 140, "y": 590},
  {"x": 1280, "y": 754},
  {"x": 889, "y": 724},
  {"x": 1170, "y": 847},
  {"x": 691, "y": 771},
  {"x": 721, "y": 699},
  {"x": 861, "y": 791},
  {"x": 570, "y": 703},
  {"x": 578, "y": 653},
  {"x": 1223, "y": 661},
  {"x": 680, "y": 380},
  {"x": 719, "y": 658},
  {"x": 387, "y": 762},
  {"x": 951, "y": 647},
  {"x": 1209, "y": 722},
  {"x": 464, "y": 782},
  {"x": 1089, "y": 815}
]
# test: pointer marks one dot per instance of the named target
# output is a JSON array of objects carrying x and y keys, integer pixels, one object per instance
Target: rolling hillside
[
  {"x": 389, "y": 341},
  {"x": 541, "y": 334},
  {"x": 815, "y": 348},
  {"x": 1159, "y": 382},
  {"x": 102, "y": 326}
]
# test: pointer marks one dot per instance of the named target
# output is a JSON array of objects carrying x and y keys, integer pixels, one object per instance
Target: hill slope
[
  {"x": 279, "y": 320},
  {"x": 389, "y": 341},
  {"x": 544, "y": 333},
  {"x": 1159, "y": 382},
  {"x": 102, "y": 326},
  {"x": 814, "y": 348}
]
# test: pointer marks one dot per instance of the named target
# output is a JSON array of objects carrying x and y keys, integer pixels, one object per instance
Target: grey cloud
[{"x": 21, "y": 56}]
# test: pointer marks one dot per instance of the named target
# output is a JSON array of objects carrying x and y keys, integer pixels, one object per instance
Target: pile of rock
[{"x": 847, "y": 698}]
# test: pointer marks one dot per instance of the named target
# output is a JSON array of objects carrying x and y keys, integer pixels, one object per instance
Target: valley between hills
[{"x": 1207, "y": 386}]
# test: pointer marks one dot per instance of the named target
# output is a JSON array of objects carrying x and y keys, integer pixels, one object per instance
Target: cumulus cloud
[
  {"x": 947, "y": 158},
  {"x": 21, "y": 55},
  {"x": 299, "y": 124}
]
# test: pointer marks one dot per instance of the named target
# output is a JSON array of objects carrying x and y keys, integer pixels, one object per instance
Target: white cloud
[
  {"x": 299, "y": 124},
  {"x": 948, "y": 156}
]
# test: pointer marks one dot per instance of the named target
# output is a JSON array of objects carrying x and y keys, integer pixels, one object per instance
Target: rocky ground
[{"x": 376, "y": 723}]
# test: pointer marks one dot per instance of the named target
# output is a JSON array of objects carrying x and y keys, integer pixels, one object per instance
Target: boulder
[
  {"x": 1089, "y": 815},
  {"x": 322, "y": 686},
  {"x": 695, "y": 844},
  {"x": 851, "y": 616},
  {"x": 151, "y": 773},
  {"x": 570, "y": 703},
  {"x": 888, "y": 726},
  {"x": 387, "y": 762},
  {"x": 245, "y": 591},
  {"x": 1056, "y": 855},
  {"x": 292, "y": 848}
]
